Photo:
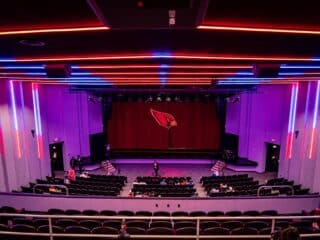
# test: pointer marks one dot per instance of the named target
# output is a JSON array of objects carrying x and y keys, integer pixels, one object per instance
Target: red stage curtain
[{"x": 132, "y": 126}]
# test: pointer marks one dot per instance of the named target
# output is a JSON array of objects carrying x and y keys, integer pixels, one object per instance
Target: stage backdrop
[{"x": 132, "y": 126}]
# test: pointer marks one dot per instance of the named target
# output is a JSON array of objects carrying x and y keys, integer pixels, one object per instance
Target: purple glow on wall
[
  {"x": 37, "y": 118},
  {"x": 307, "y": 104},
  {"x": 314, "y": 121},
  {"x": 15, "y": 119},
  {"x": 25, "y": 141},
  {"x": 1, "y": 141},
  {"x": 292, "y": 119}
]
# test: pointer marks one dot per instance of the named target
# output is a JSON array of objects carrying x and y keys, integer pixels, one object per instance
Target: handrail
[
  {"x": 29, "y": 215},
  {"x": 274, "y": 186},
  {"x": 50, "y": 185},
  {"x": 147, "y": 236}
]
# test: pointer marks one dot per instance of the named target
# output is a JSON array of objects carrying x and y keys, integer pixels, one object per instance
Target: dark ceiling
[{"x": 137, "y": 27}]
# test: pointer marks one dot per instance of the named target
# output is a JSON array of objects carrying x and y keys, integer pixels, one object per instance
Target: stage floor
[{"x": 169, "y": 170}]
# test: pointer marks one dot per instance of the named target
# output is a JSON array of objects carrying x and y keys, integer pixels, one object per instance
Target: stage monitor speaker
[
  {"x": 266, "y": 70},
  {"x": 58, "y": 70}
]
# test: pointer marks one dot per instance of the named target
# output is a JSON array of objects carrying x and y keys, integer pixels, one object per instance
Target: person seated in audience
[
  {"x": 71, "y": 174},
  {"x": 145, "y": 194},
  {"x": 53, "y": 189},
  {"x": 214, "y": 190},
  {"x": 66, "y": 180},
  {"x": 84, "y": 175},
  {"x": 315, "y": 223},
  {"x": 170, "y": 181},
  {"x": 138, "y": 194},
  {"x": 190, "y": 183},
  {"x": 152, "y": 194},
  {"x": 123, "y": 232},
  {"x": 136, "y": 182},
  {"x": 223, "y": 186},
  {"x": 163, "y": 182},
  {"x": 315, "y": 226},
  {"x": 183, "y": 182},
  {"x": 230, "y": 189}
]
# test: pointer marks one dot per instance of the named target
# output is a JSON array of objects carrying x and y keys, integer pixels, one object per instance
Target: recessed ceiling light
[{"x": 32, "y": 43}]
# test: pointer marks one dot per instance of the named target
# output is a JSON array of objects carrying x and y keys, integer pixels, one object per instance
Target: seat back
[{"x": 160, "y": 231}]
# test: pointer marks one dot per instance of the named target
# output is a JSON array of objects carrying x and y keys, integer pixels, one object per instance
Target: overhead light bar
[
  {"x": 157, "y": 66},
  {"x": 285, "y": 66},
  {"x": 22, "y": 67},
  {"x": 155, "y": 73},
  {"x": 148, "y": 56},
  {"x": 53, "y": 30},
  {"x": 259, "y": 29}
]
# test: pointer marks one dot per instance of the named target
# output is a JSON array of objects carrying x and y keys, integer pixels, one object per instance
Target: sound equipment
[
  {"x": 266, "y": 70},
  {"x": 58, "y": 70}
]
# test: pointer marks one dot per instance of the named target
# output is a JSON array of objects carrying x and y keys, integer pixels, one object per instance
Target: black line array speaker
[
  {"x": 266, "y": 70},
  {"x": 58, "y": 70}
]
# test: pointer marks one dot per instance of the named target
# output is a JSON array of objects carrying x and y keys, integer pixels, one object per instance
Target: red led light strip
[
  {"x": 54, "y": 30},
  {"x": 171, "y": 66},
  {"x": 259, "y": 29},
  {"x": 150, "y": 57}
]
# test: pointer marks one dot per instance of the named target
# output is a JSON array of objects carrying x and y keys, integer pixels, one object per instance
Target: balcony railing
[{"x": 198, "y": 234}]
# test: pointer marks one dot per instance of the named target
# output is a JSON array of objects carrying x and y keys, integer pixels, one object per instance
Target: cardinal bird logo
[{"x": 164, "y": 119}]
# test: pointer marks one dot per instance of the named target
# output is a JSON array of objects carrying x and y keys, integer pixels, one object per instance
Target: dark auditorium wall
[{"x": 132, "y": 126}]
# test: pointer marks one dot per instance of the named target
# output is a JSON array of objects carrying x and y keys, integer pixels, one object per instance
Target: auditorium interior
[{"x": 153, "y": 119}]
